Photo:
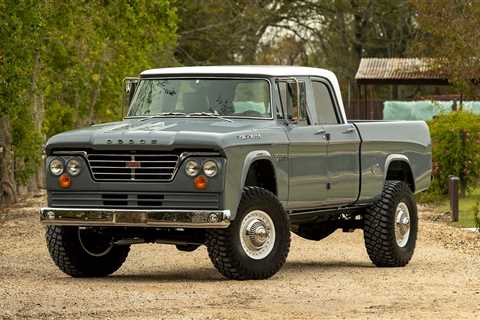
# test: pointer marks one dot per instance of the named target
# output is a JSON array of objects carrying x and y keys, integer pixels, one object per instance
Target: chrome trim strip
[
  {"x": 135, "y": 218},
  {"x": 70, "y": 153}
]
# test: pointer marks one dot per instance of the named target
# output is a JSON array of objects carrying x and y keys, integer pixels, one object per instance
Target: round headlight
[
  {"x": 56, "y": 167},
  {"x": 210, "y": 168},
  {"x": 192, "y": 168},
  {"x": 74, "y": 167}
]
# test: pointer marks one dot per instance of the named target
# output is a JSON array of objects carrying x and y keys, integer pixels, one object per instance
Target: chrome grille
[{"x": 133, "y": 166}]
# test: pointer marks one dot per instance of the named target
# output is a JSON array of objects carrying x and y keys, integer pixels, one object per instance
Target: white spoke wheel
[
  {"x": 390, "y": 226},
  {"x": 256, "y": 244},
  {"x": 257, "y": 234}
]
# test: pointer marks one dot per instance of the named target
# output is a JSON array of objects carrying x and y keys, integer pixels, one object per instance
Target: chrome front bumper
[{"x": 135, "y": 218}]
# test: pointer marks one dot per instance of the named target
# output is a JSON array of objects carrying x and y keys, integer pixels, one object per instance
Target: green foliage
[
  {"x": 351, "y": 29},
  {"x": 455, "y": 150},
  {"x": 58, "y": 119},
  {"x": 476, "y": 215},
  {"x": 20, "y": 23},
  {"x": 446, "y": 34},
  {"x": 62, "y": 63},
  {"x": 230, "y": 32}
]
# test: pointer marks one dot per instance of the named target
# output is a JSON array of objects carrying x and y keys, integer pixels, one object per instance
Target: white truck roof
[{"x": 273, "y": 71}]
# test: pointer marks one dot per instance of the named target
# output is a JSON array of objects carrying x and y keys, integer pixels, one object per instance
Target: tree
[
  {"x": 344, "y": 31},
  {"x": 62, "y": 64},
  {"x": 288, "y": 50},
  {"x": 448, "y": 34},
  {"x": 20, "y": 25},
  {"x": 226, "y": 32}
]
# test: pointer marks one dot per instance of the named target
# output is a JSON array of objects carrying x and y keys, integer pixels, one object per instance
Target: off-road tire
[
  {"x": 69, "y": 256},
  {"x": 224, "y": 245},
  {"x": 379, "y": 226}
]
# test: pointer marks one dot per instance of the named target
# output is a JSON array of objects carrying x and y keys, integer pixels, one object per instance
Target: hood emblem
[{"x": 133, "y": 164}]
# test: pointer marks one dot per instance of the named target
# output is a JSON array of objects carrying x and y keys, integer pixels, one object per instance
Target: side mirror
[{"x": 130, "y": 86}]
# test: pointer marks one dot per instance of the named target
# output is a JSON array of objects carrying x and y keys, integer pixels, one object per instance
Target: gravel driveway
[{"x": 332, "y": 278}]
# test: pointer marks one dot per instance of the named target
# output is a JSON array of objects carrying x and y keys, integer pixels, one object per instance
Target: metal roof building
[{"x": 411, "y": 71}]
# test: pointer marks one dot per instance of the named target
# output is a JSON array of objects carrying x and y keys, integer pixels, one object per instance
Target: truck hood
[{"x": 166, "y": 134}]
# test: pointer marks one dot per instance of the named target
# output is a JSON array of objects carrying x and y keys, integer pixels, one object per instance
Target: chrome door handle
[
  {"x": 321, "y": 131},
  {"x": 349, "y": 130}
]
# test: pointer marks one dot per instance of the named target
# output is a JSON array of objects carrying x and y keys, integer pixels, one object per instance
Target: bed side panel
[{"x": 410, "y": 139}]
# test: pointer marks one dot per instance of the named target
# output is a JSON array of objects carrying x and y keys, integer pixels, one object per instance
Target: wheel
[
  {"x": 390, "y": 226},
  {"x": 316, "y": 231},
  {"x": 84, "y": 252},
  {"x": 187, "y": 247},
  {"x": 256, "y": 244}
]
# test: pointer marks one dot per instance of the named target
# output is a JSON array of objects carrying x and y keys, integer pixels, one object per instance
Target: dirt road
[{"x": 321, "y": 280}]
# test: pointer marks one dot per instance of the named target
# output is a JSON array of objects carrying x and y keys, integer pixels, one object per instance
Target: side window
[
  {"x": 324, "y": 104},
  {"x": 290, "y": 101}
]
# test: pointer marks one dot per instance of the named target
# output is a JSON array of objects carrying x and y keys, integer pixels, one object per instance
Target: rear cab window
[{"x": 325, "y": 104}]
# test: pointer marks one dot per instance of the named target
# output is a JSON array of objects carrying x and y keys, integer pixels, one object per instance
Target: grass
[{"x": 467, "y": 206}]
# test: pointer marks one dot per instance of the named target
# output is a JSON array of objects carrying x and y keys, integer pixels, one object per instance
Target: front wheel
[
  {"x": 256, "y": 244},
  {"x": 84, "y": 252},
  {"x": 390, "y": 226}
]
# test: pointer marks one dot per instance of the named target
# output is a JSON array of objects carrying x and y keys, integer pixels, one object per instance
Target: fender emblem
[{"x": 249, "y": 136}]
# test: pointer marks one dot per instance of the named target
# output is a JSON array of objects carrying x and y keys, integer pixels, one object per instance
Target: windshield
[{"x": 222, "y": 97}]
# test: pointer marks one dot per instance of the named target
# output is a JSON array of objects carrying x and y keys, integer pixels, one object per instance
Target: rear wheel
[
  {"x": 84, "y": 252},
  {"x": 256, "y": 244},
  {"x": 390, "y": 226}
]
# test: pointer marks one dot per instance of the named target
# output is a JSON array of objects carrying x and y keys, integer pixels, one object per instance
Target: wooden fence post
[{"x": 453, "y": 194}]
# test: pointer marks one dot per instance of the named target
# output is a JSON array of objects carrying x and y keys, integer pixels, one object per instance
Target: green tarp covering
[{"x": 422, "y": 110}]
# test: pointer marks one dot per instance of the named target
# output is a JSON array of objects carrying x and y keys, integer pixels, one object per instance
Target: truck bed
[{"x": 385, "y": 141}]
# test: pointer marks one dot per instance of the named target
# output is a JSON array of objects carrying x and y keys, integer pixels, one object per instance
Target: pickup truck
[{"x": 233, "y": 158}]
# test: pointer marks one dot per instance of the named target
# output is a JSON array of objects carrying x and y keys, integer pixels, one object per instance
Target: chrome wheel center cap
[
  {"x": 402, "y": 224},
  {"x": 257, "y": 233}
]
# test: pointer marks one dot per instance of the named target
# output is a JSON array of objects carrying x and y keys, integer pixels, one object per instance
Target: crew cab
[{"x": 234, "y": 158}]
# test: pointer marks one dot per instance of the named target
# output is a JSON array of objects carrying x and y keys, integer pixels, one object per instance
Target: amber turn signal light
[
  {"x": 200, "y": 182},
  {"x": 64, "y": 181}
]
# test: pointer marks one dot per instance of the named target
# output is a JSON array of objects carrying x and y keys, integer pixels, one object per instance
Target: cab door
[
  {"x": 307, "y": 149},
  {"x": 343, "y": 146}
]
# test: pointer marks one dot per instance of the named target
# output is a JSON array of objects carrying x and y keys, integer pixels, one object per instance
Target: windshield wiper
[{"x": 209, "y": 114}]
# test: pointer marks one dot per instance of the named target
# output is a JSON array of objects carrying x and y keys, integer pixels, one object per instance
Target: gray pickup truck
[{"x": 233, "y": 158}]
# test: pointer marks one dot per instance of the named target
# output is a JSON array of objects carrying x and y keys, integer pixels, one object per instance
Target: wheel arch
[
  {"x": 259, "y": 171},
  {"x": 398, "y": 167}
]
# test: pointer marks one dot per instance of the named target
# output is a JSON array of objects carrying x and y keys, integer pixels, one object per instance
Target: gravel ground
[{"x": 332, "y": 278}]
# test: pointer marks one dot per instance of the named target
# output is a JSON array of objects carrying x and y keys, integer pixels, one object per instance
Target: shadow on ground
[{"x": 211, "y": 275}]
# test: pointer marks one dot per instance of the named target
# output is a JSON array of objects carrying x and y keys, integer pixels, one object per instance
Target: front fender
[{"x": 237, "y": 171}]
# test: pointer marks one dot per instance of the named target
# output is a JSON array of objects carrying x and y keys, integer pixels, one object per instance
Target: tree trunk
[
  {"x": 8, "y": 188},
  {"x": 37, "y": 181}
]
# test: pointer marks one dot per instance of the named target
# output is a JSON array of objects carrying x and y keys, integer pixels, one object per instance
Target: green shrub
[
  {"x": 455, "y": 150},
  {"x": 476, "y": 215}
]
